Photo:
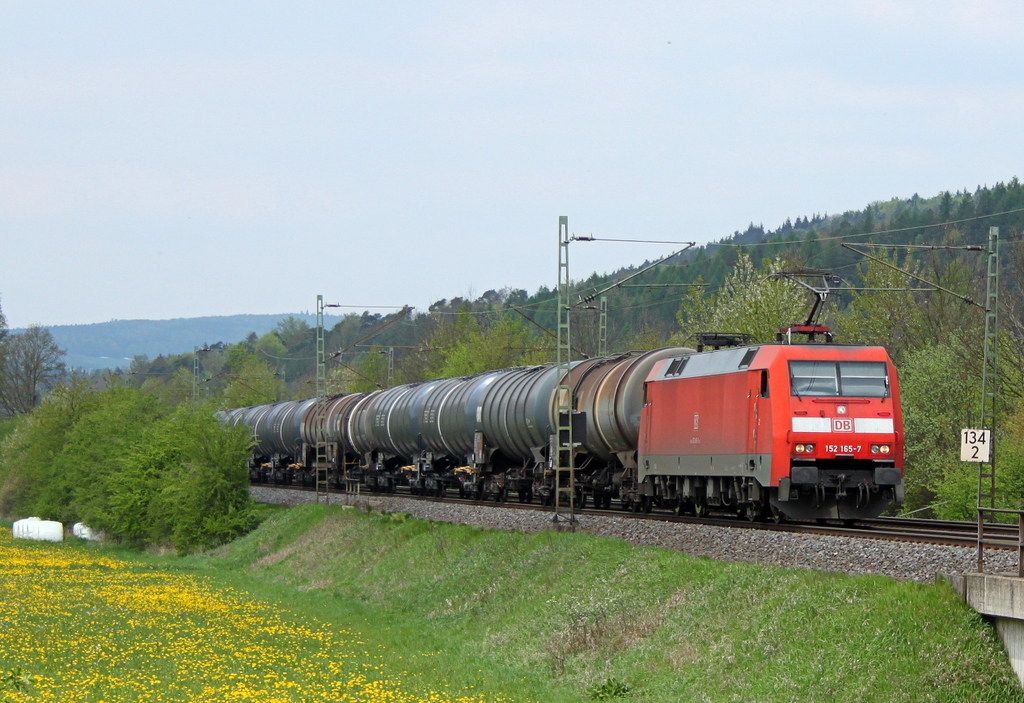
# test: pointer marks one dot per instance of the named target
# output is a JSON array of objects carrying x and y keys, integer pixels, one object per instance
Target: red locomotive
[{"x": 809, "y": 431}]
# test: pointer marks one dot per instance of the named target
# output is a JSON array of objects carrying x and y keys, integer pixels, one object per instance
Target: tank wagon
[{"x": 805, "y": 431}]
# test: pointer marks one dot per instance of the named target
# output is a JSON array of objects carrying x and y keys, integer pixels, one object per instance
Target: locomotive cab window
[{"x": 849, "y": 379}]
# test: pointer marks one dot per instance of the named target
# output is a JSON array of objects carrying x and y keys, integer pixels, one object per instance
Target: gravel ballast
[{"x": 850, "y": 555}]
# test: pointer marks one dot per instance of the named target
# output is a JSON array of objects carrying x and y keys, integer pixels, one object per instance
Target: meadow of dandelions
[{"x": 88, "y": 627}]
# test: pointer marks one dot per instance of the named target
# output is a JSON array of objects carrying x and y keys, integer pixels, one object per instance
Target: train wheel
[
  {"x": 700, "y": 509},
  {"x": 647, "y": 503}
]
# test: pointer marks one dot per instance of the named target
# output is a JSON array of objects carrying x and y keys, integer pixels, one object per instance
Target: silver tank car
[{"x": 489, "y": 422}]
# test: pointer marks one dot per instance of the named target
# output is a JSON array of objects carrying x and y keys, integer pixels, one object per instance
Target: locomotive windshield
[{"x": 848, "y": 379}]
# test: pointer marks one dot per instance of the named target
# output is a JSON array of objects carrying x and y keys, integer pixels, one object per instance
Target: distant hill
[{"x": 108, "y": 345}]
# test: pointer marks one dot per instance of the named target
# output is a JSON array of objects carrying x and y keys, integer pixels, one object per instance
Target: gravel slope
[{"x": 850, "y": 555}]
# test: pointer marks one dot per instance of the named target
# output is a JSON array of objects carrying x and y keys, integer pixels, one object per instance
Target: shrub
[{"x": 120, "y": 461}]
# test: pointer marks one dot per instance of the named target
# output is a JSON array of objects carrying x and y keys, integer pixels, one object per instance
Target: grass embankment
[
  {"x": 323, "y": 603},
  {"x": 571, "y": 617}
]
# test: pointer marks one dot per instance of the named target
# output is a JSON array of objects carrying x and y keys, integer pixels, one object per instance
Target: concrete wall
[{"x": 1001, "y": 599}]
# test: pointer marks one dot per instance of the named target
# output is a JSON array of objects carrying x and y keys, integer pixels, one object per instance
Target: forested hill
[
  {"x": 638, "y": 314},
  {"x": 114, "y": 344}
]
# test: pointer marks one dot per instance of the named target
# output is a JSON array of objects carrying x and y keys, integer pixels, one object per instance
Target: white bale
[
  {"x": 83, "y": 531},
  {"x": 43, "y": 530},
  {"x": 50, "y": 531}
]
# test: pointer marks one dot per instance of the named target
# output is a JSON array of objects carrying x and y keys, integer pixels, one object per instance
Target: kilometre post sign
[{"x": 975, "y": 445}]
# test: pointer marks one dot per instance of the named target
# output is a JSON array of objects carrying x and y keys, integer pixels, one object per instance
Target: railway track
[{"x": 940, "y": 532}]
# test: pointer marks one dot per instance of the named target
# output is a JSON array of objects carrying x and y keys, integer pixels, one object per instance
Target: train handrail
[{"x": 982, "y": 542}]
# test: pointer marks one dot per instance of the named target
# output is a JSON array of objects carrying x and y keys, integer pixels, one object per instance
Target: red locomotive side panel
[
  {"x": 707, "y": 420},
  {"x": 706, "y": 416}
]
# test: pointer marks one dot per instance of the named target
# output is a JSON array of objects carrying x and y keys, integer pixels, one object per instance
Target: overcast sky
[{"x": 178, "y": 159}]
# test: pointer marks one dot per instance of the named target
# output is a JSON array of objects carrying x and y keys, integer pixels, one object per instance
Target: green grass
[{"x": 573, "y": 617}]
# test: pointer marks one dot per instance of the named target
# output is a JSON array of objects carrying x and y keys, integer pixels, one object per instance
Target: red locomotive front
[{"x": 808, "y": 431}]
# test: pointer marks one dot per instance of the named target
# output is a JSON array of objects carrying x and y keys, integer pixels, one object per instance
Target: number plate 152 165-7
[{"x": 843, "y": 448}]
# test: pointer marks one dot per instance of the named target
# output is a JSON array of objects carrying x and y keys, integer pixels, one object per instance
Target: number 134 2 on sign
[{"x": 975, "y": 445}]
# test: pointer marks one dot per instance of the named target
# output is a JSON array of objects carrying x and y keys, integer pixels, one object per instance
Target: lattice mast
[
  {"x": 562, "y": 461},
  {"x": 320, "y": 465},
  {"x": 195, "y": 375},
  {"x": 990, "y": 373},
  {"x": 602, "y": 340}
]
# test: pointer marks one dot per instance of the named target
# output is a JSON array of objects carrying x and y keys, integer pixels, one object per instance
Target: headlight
[
  {"x": 885, "y": 449},
  {"x": 809, "y": 448},
  {"x": 799, "y": 449}
]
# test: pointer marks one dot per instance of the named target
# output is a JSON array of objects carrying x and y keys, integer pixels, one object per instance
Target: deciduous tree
[
  {"x": 371, "y": 371},
  {"x": 32, "y": 364},
  {"x": 888, "y": 316},
  {"x": 465, "y": 347},
  {"x": 252, "y": 381},
  {"x": 750, "y": 301}
]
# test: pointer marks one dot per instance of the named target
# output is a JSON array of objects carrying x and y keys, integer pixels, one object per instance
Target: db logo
[{"x": 842, "y": 424}]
